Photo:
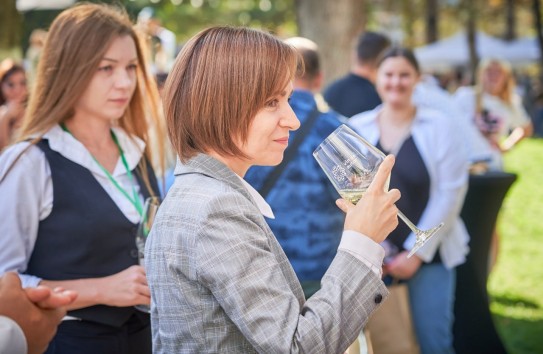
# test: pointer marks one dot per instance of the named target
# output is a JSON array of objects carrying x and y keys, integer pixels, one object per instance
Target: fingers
[
  {"x": 37, "y": 294},
  {"x": 145, "y": 291},
  {"x": 57, "y": 300},
  {"x": 395, "y": 195},
  {"x": 344, "y": 205},
  {"x": 381, "y": 178},
  {"x": 47, "y": 298}
]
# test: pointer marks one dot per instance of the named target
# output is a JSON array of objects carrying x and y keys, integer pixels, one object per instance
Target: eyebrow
[{"x": 285, "y": 93}]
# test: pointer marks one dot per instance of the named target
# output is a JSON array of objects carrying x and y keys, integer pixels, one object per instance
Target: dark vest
[{"x": 86, "y": 235}]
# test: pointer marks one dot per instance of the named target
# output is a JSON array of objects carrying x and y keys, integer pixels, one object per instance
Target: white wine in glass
[
  {"x": 351, "y": 162},
  {"x": 150, "y": 209}
]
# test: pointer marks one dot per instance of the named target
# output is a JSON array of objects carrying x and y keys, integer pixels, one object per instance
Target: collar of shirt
[
  {"x": 263, "y": 206},
  {"x": 69, "y": 147}
]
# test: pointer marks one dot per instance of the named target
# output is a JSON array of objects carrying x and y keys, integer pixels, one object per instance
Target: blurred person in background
[
  {"x": 355, "y": 92},
  {"x": 74, "y": 185},
  {"x": 428, "y": 94},
  {"x": 307, "y": 223},
  {"x": 162, "y": 41},
  {"x": 32, "y": 55},
  {"x": 495, "y": 109},
  {"x": 13, "y": 98},
  {"x": 432, "y": 174}
]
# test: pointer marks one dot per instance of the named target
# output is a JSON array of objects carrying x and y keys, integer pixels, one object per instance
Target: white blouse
[{"x": 27, "y": 192}]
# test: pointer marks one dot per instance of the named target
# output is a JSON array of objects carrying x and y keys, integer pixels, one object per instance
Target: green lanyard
[{"x": 134, "y": 200}]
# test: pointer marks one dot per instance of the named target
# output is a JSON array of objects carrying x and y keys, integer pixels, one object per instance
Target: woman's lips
[{"x": 119, "y": 100}]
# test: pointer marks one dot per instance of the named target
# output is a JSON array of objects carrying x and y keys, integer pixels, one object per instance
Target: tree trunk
[
  {"x": 11, "y": 27},
  {"x": 432, "y": 20},
  {"x": 510, "y": 23},
  {"x": 408, "y": 18},
  {"x": 333, "y": 25},
  {"x": 471, "y": 33},
  {"x": 536, "y": 6}
]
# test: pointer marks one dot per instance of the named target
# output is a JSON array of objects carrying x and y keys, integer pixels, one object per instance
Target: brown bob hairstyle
[{"x": 221, "y": 79}]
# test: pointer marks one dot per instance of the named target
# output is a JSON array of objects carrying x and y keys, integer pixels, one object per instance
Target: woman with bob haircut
[
  {"x": 219, "y": 280},
  {"x": 74, "y": 186}
]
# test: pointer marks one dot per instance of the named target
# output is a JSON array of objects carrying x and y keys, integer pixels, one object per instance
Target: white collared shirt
[
  {"x": 27, "y": 192},
  {"x": 356, "y": 244}
]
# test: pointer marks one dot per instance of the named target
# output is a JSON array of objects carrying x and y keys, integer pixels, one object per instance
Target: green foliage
[
  {"x": 186, "y": 17},
  {"x": 516, "y": 283}
]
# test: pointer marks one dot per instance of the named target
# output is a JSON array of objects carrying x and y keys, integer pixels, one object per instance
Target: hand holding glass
[
  {"x": 149, "y": 211},
  {"x": 351, "y": 162}
]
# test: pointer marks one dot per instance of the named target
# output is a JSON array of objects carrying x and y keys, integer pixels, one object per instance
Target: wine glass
[
  {"x": 149, "y": 211},
  {"x": 351, "y": 162}
]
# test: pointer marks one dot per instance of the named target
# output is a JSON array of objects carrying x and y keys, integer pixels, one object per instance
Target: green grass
[{"x": 516, "y": 283}]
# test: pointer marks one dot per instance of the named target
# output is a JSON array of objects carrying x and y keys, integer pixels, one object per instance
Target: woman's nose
[
  {"x": 124, "y": 79},
  {"x": 290, "y": 120}
]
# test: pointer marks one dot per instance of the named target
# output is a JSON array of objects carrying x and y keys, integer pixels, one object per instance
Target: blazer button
[
  {"x": 378, "y": 298},
  {"x": 134, "y": 253}
]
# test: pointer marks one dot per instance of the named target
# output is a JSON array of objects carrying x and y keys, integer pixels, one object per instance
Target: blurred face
[
  {"x": 269, "y": 130},
  {"x": 14, "y": 87},
  {"x": 110, "y": 90},
  {"x": 494, "y": 79},
  {"x": 396, "y": 79}
]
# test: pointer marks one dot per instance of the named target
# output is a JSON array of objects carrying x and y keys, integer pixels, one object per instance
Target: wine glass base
[{"x": 423, "y": 237}]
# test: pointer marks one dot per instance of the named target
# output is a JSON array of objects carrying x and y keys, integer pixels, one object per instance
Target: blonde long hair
[
  {"x": 75, "y": 45},
  {"x": 506, "y": 93}
]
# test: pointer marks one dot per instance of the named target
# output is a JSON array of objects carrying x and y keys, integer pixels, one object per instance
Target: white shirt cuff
[
  {"x": 12, "y": 337},
  {"x": 364, "y": 249},
  {"x": 29, "y": 281}
]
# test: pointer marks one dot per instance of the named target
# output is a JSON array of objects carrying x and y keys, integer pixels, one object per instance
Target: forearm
[
  {"x": 88, "y": 290},
  {"x": 515, "y": 137},
  {"x": 125, "y": 288}
]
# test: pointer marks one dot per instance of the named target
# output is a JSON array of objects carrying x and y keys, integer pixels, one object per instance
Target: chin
[{"x": 272, "y": 161}]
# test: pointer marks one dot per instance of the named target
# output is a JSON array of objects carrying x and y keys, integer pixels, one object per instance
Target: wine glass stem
[{"x": 408, "y": 222}]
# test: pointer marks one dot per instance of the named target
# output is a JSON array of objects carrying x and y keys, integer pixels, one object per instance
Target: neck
[
  {"x": 239, "y": 166},
  {"x": 398, "y": 115},
  {"x": 304, "y": 85},
  {"x": 366, "y": 71},
  {"x": 93, "y": 134}
]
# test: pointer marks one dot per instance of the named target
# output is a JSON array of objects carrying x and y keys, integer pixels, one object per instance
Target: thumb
[{"x": 37, "y": 294}]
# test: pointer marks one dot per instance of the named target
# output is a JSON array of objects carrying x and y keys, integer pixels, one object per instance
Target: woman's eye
[
  {"x": 132, "y": 67},
  {"x": 272, "y": 103},
  {"x": 106, "y": 68}
]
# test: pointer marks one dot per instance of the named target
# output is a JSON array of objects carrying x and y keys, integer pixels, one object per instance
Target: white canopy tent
[
  {"x": 27, "y": 5},
  {"x": 454, "y": 52}
]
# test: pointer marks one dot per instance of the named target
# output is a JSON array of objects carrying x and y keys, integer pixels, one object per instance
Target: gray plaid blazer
[{"x": 220, "y": 282}]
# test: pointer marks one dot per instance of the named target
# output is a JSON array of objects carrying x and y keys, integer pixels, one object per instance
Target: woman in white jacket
[{"x": 432, "y": 173}]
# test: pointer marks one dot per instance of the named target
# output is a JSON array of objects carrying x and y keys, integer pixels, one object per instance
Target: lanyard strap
[{"x": 134, "y": 200}]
